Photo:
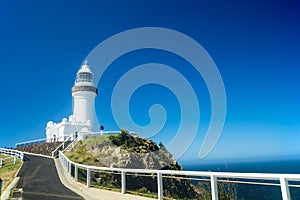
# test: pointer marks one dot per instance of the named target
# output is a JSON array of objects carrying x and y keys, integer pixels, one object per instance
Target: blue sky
[{"x": 254, "y": 44}]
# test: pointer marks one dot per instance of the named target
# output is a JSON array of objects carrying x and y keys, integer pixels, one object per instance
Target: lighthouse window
[{"x": 84, "y": 77}]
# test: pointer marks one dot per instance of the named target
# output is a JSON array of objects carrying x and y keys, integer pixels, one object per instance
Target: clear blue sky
[{"x": 255, "y": 45}]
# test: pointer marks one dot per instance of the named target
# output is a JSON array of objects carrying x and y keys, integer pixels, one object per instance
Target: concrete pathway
[
  {"x": 39, "y": 180},
  {"x": 44, "y": 178},
  {"x": 92, "y": 193}
]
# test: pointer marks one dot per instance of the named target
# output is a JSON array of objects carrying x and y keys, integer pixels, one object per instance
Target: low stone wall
[{"x": 44, "y": 149}]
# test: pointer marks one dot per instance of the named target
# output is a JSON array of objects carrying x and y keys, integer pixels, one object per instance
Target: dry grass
[
  {"x": 3, "y": 156},
  {"x": 8, "y": 171}
]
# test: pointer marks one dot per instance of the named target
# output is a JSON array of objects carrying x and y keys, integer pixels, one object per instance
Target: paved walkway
[
  {"x": 92, "y": 193},
  {"x": 39, "y": 180},
  {"x": 45, "y": 178}
]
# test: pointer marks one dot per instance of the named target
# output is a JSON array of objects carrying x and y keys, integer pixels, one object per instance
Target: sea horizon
[
  {"x": 290, "y": 165},
  {"x": 252, "y": 191}
]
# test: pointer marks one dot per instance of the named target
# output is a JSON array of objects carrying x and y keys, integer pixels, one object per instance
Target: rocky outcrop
[{"x": 127, "y": 151}]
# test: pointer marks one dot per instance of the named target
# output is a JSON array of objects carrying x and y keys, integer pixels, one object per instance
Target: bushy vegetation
[{"x": 132, "y": 143}]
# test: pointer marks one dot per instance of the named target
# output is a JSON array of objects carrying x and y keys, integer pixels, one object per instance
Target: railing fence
[
  {"x": 41, "y": 141},
  {"x": 12, "y": 153},
  {"x": 62, "y": 145},
  {"x": 6, "y": 160},
  {"x": 72, "y": 169}
]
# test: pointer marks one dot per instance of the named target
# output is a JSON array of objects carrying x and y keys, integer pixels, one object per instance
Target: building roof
[{"x": 85, "y": 69}]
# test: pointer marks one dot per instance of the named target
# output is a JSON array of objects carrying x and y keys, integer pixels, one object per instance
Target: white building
[{"x": 84, "y": 93}]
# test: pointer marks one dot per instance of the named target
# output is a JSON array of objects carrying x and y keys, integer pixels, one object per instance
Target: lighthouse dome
[
  {"x": 85, "y": 69},
  {"x": 84, "y": 74}
]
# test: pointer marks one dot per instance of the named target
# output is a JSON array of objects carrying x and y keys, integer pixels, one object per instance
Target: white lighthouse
[{"x": 84, "y": 93}]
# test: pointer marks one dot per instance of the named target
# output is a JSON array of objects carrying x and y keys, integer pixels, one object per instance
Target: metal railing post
[
  {"x": 285, "y": 192},
  {"x": 70, "y": 168},
  {"x": 123, "y": 181},
  {"x": 65, "y": 163},
  {"x": 88, "y": 177},
  {"x": 15, "y": 159},
  {"x": 76, "y": 173},
  {"x": 214, "y": 187},
  {"x": 160, "y": 195}
]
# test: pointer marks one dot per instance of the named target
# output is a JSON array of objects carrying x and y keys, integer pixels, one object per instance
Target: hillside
[
  {"x": 123, "y": 150},
  {"x": 126, "y": 151}
]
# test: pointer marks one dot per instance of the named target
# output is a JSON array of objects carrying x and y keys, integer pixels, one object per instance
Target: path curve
[{"x": 39, "y": 180}]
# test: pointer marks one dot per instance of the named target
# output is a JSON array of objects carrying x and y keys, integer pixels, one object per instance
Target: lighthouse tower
[{"x": 84, "y": 93}]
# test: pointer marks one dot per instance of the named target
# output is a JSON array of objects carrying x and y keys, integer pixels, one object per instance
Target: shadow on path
[{"x": 39, "y": 180}]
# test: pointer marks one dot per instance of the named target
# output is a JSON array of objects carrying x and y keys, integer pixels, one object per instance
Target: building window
[{"x": 84, "y": 77}]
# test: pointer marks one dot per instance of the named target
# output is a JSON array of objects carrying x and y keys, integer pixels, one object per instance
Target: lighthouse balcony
[{"x": 84, "y": 88}]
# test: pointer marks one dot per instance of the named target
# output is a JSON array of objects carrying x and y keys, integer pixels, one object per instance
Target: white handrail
[
  {"x": 4, "y": 159},
  {"x": 72, "y": 144},
  {"x": 213, "y": 176},
  {"x": 40, "y": 141},
  {"x": 11, "y": 152},
  {"x": 62, "y": 144}
]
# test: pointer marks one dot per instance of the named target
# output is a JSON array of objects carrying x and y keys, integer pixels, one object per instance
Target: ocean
[
  {"x": 252, "y": 191},
  {"x": 291, "y": 166}
]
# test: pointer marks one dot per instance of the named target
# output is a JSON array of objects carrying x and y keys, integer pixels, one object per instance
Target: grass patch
[
  {"x": 80, "y": 155},
  {"x": 8, "y": 172}
]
